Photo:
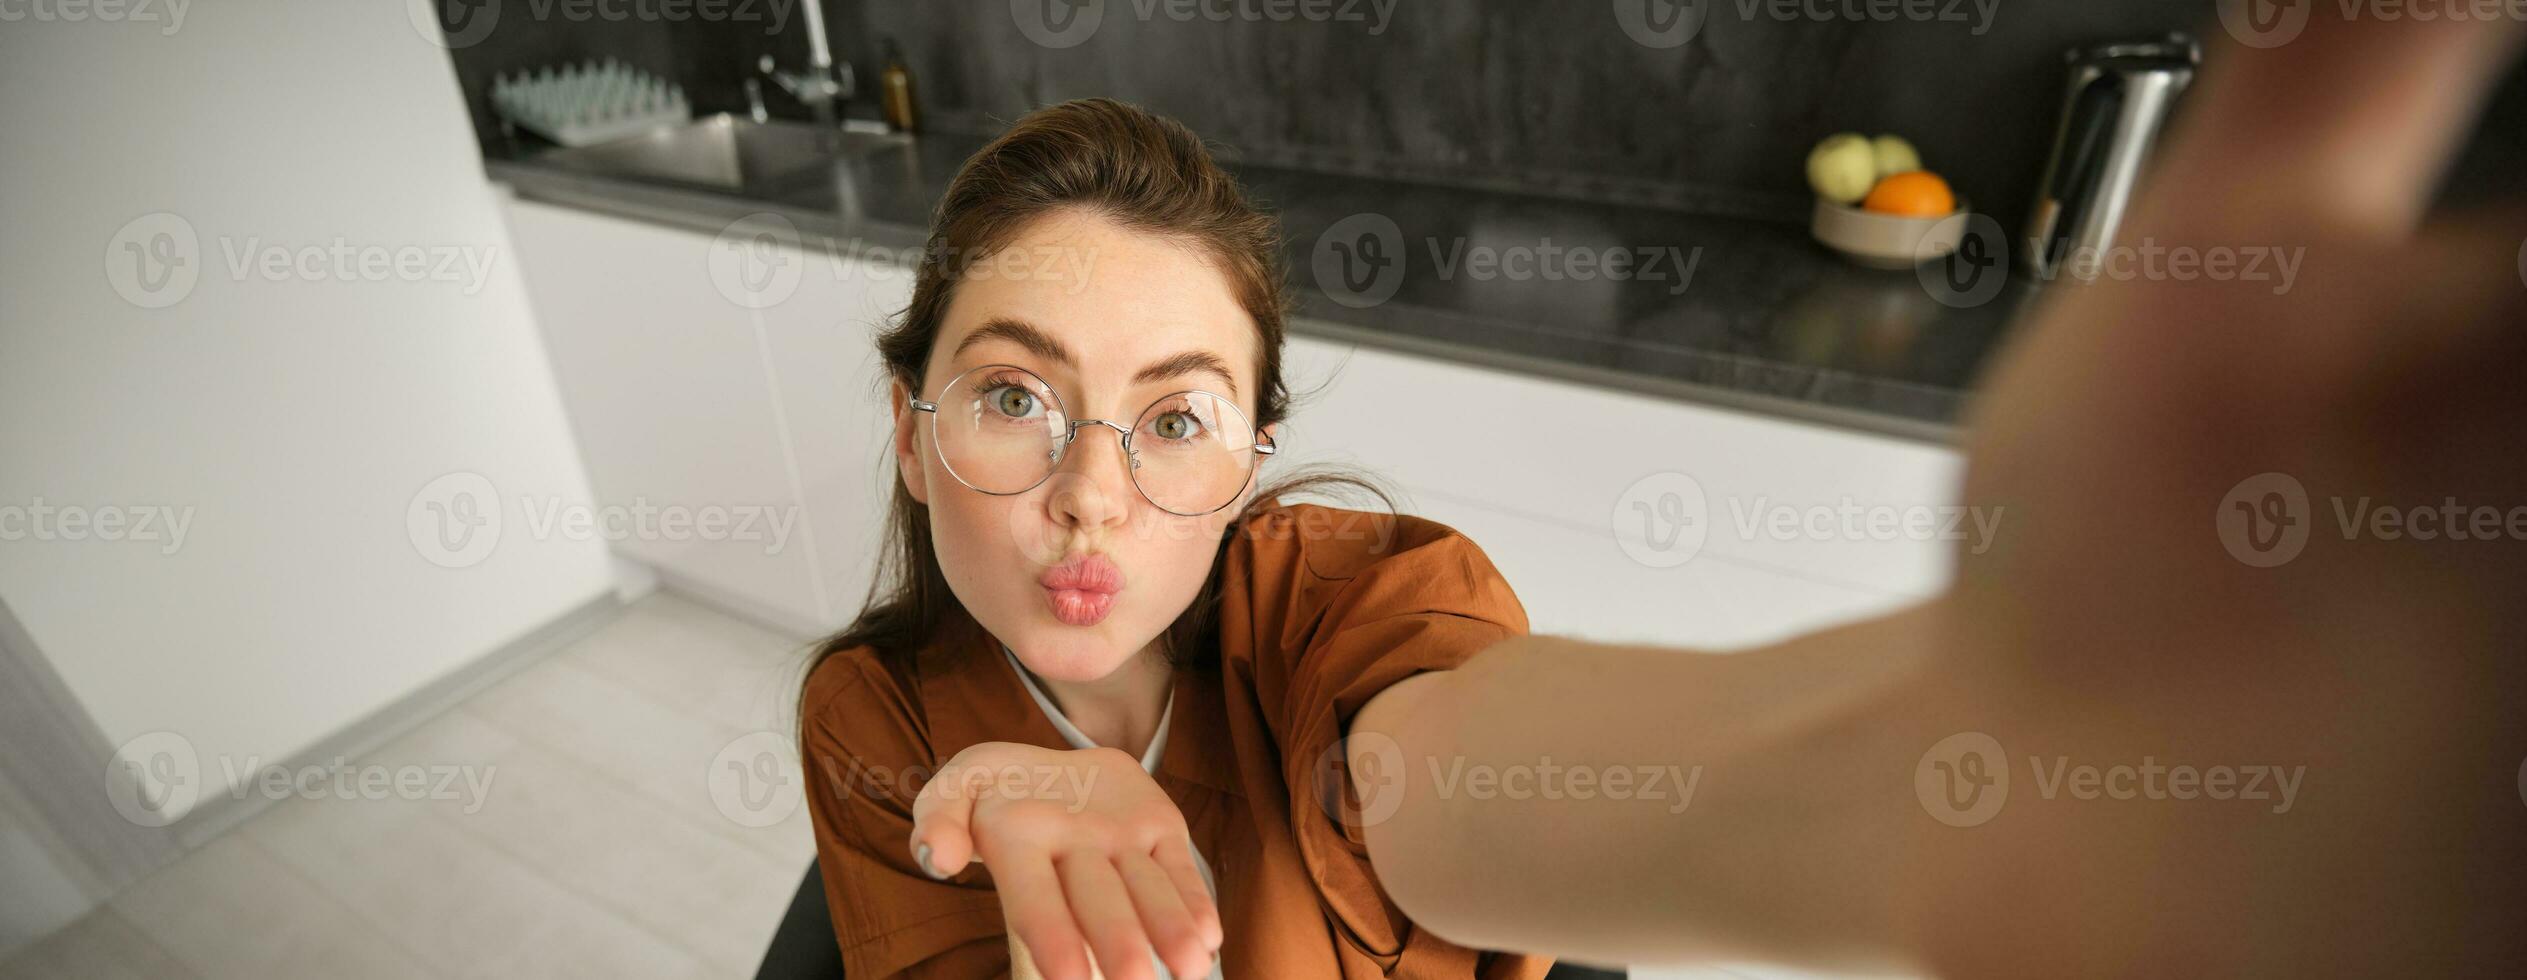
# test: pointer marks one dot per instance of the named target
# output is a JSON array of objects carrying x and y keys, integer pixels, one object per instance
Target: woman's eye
[
  {"x": 1013, "y": 401},
  {"x": 1175, "y": 426}
]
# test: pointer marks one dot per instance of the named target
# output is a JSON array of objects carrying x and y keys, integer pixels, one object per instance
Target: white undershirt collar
[{"x": 1071, "y": 732}]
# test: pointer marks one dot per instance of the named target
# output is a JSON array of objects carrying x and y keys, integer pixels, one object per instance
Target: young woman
[{"x": 1099, "y": 700}]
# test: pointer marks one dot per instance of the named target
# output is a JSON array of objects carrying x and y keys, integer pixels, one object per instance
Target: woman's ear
[{"x": 907, "y": 449}]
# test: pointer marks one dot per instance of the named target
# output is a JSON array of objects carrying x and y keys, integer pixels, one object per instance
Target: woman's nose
[{"x": 1093, "y": 484}]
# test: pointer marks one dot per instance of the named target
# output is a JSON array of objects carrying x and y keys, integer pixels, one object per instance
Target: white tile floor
[{"x": 597, "y": 849}]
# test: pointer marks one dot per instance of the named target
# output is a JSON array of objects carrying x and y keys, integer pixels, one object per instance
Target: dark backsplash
[{"x": 1552, "y": 95}]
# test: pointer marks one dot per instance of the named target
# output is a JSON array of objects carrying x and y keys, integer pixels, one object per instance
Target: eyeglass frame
[{"x": 1265, "y": 444}]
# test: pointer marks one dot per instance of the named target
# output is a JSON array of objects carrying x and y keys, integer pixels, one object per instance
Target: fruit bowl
[{"x": 1887, "y": 241}]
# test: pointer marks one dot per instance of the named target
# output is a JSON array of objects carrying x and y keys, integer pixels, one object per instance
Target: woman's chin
[{"x": 1070, "y": 659}]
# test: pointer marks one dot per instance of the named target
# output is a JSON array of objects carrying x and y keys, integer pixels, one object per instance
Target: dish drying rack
[{"x": 587, "y": 103}]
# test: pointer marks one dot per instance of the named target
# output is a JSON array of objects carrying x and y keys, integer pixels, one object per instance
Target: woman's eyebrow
[
  {"x": 1189, "y": 362},
  {"x": 1043, "y": 344}
]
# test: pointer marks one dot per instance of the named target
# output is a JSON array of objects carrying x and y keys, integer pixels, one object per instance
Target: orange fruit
[{"x": 1912, "y": 194}]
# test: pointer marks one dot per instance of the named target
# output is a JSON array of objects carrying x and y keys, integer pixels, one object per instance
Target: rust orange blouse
[{"x": 1322, "y": 608}]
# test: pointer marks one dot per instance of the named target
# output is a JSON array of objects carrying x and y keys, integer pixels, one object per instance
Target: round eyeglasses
[{"x": 1001, "y": 430}]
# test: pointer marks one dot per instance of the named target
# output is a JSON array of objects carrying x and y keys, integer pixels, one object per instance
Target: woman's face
[{"x": 1112, "y": 319}]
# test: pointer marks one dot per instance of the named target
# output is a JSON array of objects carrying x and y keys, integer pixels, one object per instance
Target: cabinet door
[
  {"x": 664, "y": 376},
  {"x": 822, "y": 343},
  {"x": 1579, "y": 494}
]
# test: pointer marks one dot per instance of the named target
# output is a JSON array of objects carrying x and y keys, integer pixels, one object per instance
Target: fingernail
[{"x": 922, "y": 854}]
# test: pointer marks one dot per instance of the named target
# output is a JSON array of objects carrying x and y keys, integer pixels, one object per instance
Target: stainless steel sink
[{"x": 725, "y": 152}]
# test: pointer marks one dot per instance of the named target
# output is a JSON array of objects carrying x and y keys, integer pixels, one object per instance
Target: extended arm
[{"x": 1635, "y": 805}]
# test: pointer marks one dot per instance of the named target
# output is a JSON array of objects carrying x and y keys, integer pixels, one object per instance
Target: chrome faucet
[{"x": 826, "y": 83}]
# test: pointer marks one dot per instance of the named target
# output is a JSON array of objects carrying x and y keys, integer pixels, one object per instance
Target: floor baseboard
[{"x": 223, "y": 812}]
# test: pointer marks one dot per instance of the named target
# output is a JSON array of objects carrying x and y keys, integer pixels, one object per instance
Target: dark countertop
[{"x": 1738, "y": 312}]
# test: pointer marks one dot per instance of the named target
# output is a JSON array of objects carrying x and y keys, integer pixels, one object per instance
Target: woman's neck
[{"x": 1122, "y": 709}]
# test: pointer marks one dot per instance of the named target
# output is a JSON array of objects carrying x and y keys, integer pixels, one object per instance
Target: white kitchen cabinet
[
  {"x": 1546, "y": 475},
  {"x": 821, "y": 347},
  {"x": 665, "y": 381}
]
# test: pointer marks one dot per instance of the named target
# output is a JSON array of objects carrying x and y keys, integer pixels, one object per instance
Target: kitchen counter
[{"x": 1737, "y": 312}]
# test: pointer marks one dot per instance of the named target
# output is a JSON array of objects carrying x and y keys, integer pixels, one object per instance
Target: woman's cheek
[{"x": 975, "y": 539}]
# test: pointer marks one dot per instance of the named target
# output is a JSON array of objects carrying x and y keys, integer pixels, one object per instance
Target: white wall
[{"x": 295, "y": 420}]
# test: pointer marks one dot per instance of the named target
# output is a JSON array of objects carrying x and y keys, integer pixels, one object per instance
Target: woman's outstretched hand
[{"x": 1087, "y": 852}]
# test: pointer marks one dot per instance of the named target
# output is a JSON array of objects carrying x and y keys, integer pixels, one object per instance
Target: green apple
[
  {"x": 1894, "y": 156},
  {"x": 1843, "y": 168}
]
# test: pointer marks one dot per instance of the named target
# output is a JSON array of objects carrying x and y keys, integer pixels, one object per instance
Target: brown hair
[{"x": 1140, "y": 170}]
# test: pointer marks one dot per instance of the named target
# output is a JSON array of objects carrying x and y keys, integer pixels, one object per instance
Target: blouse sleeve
[
  {"x": 865, "y": 763},
  {"x": 1429, "y": 604}
]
